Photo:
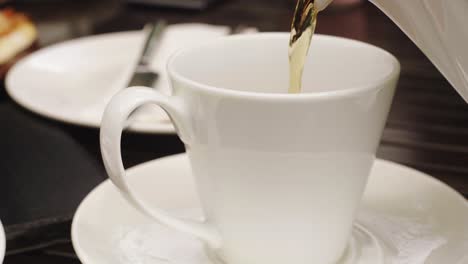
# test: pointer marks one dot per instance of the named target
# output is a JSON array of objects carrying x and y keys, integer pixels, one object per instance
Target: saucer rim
[{"x": 82, "y": 256}]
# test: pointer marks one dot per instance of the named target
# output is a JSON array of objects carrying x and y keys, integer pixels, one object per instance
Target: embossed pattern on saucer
[{"x": 415, "y": 218}]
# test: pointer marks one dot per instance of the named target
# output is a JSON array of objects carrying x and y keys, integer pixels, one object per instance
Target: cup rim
[{"x": 323, "y": 95}]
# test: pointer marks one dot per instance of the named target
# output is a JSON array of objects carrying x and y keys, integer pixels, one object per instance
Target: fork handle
[{"x": 153, "y": 38}]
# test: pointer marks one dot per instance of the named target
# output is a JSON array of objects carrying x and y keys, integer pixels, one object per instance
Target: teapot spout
[
  {"x": 439, "y": 29},
  {"x": 322, "y": 4}
]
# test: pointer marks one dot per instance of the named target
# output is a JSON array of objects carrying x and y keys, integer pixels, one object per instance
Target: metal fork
[{"x": 143, "y": 75}]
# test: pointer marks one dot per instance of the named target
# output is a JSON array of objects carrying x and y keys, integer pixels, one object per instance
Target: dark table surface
[{"x": 48, "y": 167}]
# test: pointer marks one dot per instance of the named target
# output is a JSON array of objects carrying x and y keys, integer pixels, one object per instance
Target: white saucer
[
  {"x": 73, "y": 81},
  {"x": 2, "y": 243},
  {"x": 415, "y": 218}
]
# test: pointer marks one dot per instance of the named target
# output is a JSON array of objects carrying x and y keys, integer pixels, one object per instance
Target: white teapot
[{"x": 438, "y": 27}]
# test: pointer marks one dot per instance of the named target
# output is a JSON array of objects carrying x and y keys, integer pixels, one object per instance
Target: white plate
[
  {"x": 416, "y": 218},
  {"x": 2, "y": 243},
  {"x": 73, "y": 81}
]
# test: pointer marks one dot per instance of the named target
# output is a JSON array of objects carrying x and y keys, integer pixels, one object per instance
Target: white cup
[{"x": 279, "y": 175}]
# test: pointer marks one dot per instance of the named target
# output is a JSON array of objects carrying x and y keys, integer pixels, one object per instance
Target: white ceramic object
[
  {"x": 417, "y": 219},
  {"x": 438, "y": 28},
  {"x": 322, "y": 4},
  {"x": 260, "y": 153},
  {"x": 2, "y": 243},
  {"x": 74, "y": 80}
]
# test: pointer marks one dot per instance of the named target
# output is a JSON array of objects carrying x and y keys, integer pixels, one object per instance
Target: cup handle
[{"x": 113, "y": 122}]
